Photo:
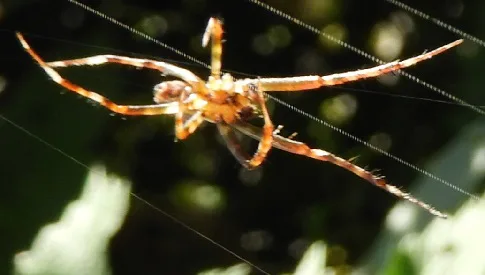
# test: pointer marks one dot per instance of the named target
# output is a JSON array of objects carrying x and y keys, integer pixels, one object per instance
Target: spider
[{"x": 229, "y": 103}]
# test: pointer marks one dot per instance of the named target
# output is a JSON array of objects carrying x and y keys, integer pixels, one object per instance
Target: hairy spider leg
[
  {"x": 300, "y": 83},
  {"x": 154, "y": 109},
  {"x": 300, "y": 148},
  {"x": 163, "y": 67},
  {"x": 183, "y": 129},
  {"x": 265, "y": 143},
  {"x": 214, "y": 32},
  {"x": 233, "y": 144}
]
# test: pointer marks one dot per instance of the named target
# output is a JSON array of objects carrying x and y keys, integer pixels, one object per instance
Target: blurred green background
[{"x": 268, "y": 215}]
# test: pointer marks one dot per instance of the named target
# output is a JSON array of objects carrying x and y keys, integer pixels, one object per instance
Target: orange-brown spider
[{"x": 229, "y": 103}]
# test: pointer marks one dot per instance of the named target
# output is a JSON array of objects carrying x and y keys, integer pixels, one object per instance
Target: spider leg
[
  {"x": 213, "y": 32},
  {"x": 266, "y": 140},
  {"x": 163, "y": 67},
  {"x": 184, "y": 128},
  {"x": 314, "y": 81},
  {"x": 233, "y": 144},
  {"x": 155, "y": 109},
  {"x": 186, "y": 101},
  {"x": 300, "y": 148}
]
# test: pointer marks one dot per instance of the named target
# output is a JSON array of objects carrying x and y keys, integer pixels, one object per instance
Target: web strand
[
  {"x": 300, "y": 23},
  {"x": 375, "y": 148},
  {"x": 154, "y": 207},
  {"x": 437, "y": 22},
  {"x": 365, "y": 54}
]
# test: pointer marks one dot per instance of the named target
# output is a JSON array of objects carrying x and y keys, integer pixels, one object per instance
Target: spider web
[{"x": 192, "y": 145}]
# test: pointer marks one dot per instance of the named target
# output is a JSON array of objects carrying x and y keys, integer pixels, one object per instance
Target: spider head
[{"x": 169, "y": 91}]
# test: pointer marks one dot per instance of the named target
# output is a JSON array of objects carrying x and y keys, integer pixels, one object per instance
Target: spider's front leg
[
  {"x": 302, "y": 83},
  {"x": 133, "y": 110},
  {"x": 163, "y": 67}
]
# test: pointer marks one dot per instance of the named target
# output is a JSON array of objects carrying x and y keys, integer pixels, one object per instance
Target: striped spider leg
[
  {"x": 230, "y": 103},
  {"x": 300, "y": 148}
]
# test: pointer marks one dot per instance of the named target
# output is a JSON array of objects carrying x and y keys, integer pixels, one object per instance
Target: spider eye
[{"x": 168, "y": 91}]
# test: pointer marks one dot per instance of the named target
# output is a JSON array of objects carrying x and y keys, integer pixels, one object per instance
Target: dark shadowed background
[{"x": 267, "y": 215}]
